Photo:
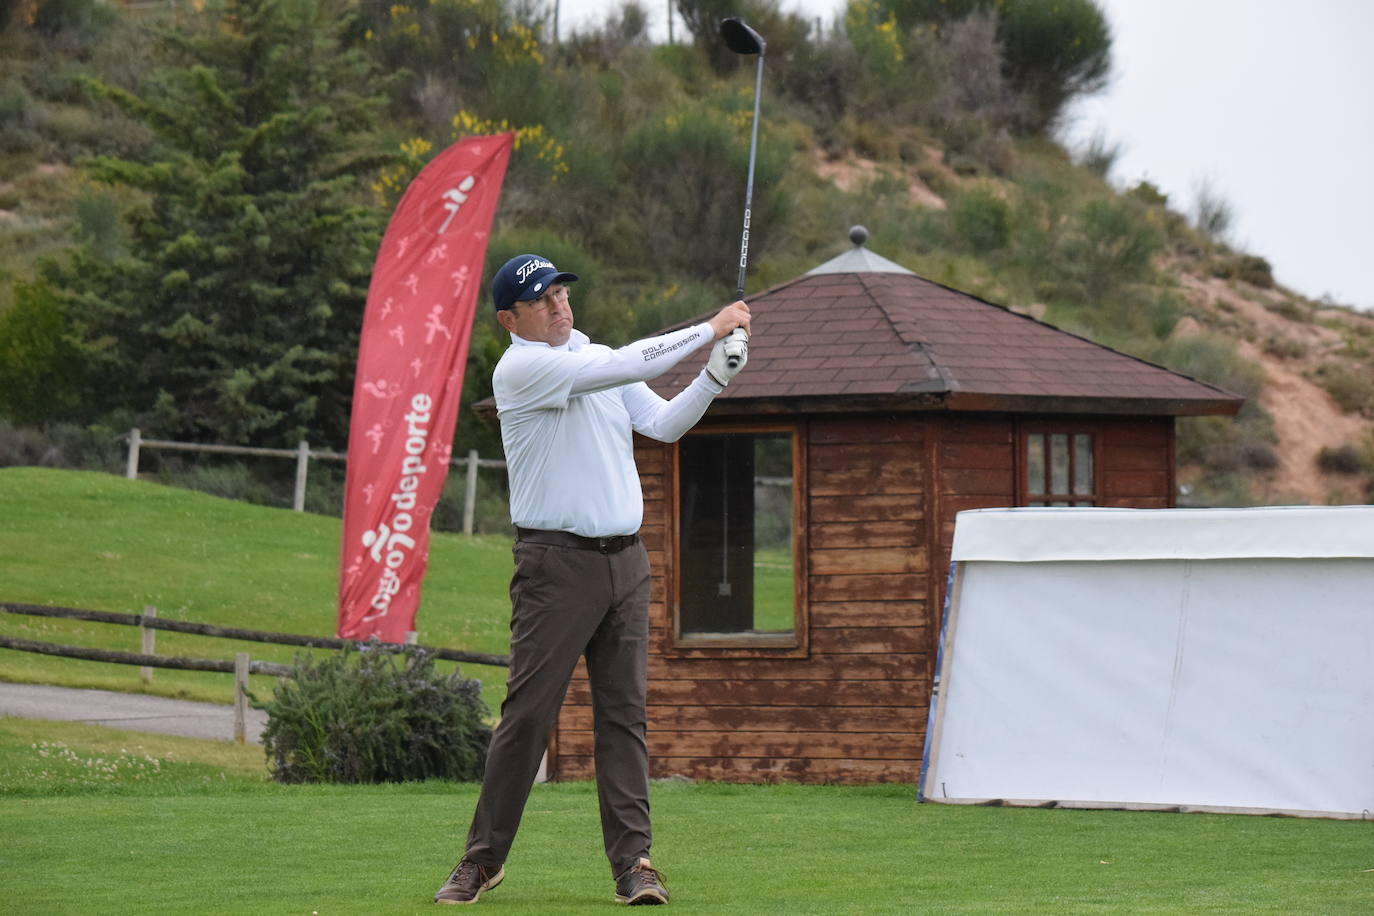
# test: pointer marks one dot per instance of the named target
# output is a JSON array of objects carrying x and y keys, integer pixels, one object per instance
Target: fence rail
[
  {"x": 221, "y": 665},
  {"x": 151, "y": 621},
  {"x": 302, "y": 453}
]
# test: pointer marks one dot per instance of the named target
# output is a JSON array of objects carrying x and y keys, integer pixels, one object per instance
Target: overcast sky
[{"x": 1269, "y": 103}]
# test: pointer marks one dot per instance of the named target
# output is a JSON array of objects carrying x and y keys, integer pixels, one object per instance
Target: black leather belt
[{"x": 613, "y": 544}]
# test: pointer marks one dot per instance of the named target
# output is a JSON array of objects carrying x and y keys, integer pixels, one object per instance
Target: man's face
[{"x": 547, "y": 319}]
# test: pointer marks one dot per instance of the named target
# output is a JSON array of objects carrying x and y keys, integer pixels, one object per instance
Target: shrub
[
  {"x": 1149, "y": 194},
  {"x": 1099, "y": 155},
  {"x": 1351, "y": 387},
  {"x": 41, "y": 369},
  {"x": 1249, "y": 268},
  {"x": 60, "y": 445},
  {"x": 1164, "y": 315},
  {"x": 1255, "y": 270},
  {"x": 1054, "y": 50},
  {"x": 1344, "y": 459},
  {"x": 20, "y": 119},
  {"x": 683, "y": 182},
  {"x": 971, "y": 103},
  {"x": 84, "y": 17},
  {"x": 233, "y": 480},
  {"x": 1284, "y": 347},
  {"x": 983, "y": 220},
  {"x": 1213, "y": 360},
  {"x": 360, "y": 717},
  {"x": 1224, "y": 446},
  {"x": 1111, "y": 247},
  {"x": 1212, "y": 213}
]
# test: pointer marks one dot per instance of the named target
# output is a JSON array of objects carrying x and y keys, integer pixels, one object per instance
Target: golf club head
[{"x": 740, "y": 38}]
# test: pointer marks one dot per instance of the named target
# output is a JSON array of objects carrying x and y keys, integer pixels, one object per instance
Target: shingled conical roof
[{"x": 860, "y": 332}]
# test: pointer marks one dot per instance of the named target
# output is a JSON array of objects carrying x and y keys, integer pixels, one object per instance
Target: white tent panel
[{"x": 1215, "y": 684}]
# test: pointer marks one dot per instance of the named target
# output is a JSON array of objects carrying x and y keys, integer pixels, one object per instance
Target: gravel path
[{"x": 132, "y": 711}]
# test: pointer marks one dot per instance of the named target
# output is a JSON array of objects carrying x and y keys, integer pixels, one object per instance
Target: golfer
[{"x": 567, "y": 409}]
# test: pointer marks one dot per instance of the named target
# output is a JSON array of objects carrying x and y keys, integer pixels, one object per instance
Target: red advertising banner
[{"x": 411, "y": 357}]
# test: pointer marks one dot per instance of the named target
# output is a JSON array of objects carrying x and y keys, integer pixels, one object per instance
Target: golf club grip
[{"x": 733, "y": 360}]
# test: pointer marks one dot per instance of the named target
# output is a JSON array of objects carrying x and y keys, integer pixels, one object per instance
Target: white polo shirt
[{"x": 566, "y": 417}]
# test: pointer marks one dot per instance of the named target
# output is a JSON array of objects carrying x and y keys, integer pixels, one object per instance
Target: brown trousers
[{"x": 567, "y": 602}]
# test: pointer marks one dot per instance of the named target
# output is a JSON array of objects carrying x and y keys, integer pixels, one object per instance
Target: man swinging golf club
[{"x": 567, "y": 408}]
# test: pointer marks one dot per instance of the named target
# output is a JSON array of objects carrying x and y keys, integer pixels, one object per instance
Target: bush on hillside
[
  {"x": 1343, "y": 459},
  {"x": 972, "y": 105},
  {"x": 684, "y": 179},
  {"x": 1350, "y": 385},
  {"x": 1249, "y": 268},
  {"x": 1052, "y": 50},
  {"x": 1110, "y": 246},
  {"x": 20, "y": 119},
  {"x": 1055, "y": 50},
  {"x": 360, "y": 717},
  {"x": 40, "y": 366},
  {"x": 983, "y": 220}
]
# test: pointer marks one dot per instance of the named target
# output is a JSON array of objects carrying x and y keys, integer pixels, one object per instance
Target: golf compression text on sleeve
[{"x": 566, "y": 418}]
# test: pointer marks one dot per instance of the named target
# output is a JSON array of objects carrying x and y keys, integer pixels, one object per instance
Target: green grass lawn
[
  {"x": 92, "y": 824},
  {"x": 99, "y": 541},
  {"x": 97, "y": 819},
  {"x": 774, "y": 590}
]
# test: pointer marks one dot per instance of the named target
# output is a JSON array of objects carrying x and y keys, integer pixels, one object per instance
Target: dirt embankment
[{"x": 1306, "y": 418}]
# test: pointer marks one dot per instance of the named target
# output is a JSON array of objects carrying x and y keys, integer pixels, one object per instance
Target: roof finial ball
[{"x": 858, "y": 235}]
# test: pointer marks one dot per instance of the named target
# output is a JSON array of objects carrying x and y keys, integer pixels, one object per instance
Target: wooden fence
[
  {"x": 148, "y": 623},
  {"x": 303, "y": 453}
]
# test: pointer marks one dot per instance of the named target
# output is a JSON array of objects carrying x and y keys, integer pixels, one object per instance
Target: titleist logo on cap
[{"x": 529, "y": 267}]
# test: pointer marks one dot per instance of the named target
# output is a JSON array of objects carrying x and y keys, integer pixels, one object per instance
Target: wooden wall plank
[
  {"x": 868, "y": 613},
  {"x": 743, "y": 691},
  {"x": 868, "y": 640},
  {"x": 978, "y": 481},
  {"x": 866, "y": 507},
  {"x": 866, "y": 428},
  {"x": 1138, "y": 431},
  {"x": 833, "y": 535},
  {"x": 962, "y": 427},
  {"x": 1121, "y": 484},
  {"x": 887, "y": 587},
  {"x": 884, "y": 719},
  {"x": 819, "y": 667},
  {"x": 976, "y": 454},
  {"x": 764, "y": 770},
  {"x": 811, "y": 745},
  {"x": 868, "y": 560},
  {"x": 1133, "y": 458}
]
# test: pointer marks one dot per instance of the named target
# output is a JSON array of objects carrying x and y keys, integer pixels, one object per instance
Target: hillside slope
[{"x": 1291, "y": 347}]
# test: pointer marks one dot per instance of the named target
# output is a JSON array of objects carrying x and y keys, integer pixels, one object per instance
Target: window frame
[
  {"x": 1069, "y": 429},
  {"x": 742, "y": 645}
]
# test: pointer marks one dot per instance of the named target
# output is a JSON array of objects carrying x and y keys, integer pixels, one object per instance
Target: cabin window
[
  {"x": 1059, "y": 469},
  {"x": 737, "y": 579}
]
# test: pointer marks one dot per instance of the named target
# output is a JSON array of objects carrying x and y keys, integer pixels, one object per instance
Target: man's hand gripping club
[{"x": 731, "y": 350}]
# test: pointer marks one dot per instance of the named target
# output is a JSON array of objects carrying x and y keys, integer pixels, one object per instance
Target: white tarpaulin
[{"x": 1199, "y": 659}]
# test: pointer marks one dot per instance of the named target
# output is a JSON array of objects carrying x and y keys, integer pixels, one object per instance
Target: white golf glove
[{"x": 728, "y": 356}]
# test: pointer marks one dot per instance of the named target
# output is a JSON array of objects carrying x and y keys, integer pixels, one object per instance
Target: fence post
[
  {"x": 470, "y": 494},
  {"x": 149, "y": 643},
  {"x": 240, "y": 697},
  {"x": 131, "y": 469},
  {"x": 302, "y": 468}
]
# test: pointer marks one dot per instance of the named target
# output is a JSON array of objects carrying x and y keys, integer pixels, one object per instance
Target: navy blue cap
[{"x": 525, "y": 277}]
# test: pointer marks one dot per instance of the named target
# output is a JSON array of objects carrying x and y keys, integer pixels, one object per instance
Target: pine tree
[{"x": 234, "y": 316}]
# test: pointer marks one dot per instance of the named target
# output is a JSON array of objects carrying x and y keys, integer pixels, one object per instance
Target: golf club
[{"x": 743, "y": 40}]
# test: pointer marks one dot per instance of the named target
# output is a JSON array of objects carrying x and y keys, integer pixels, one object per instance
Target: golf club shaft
[{"x": 749, "y": 184}]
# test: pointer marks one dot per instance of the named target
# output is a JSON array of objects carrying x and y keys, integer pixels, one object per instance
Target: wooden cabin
[{"x": 800, "y": 534}]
